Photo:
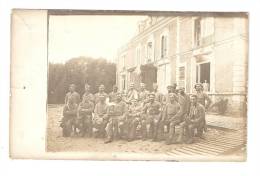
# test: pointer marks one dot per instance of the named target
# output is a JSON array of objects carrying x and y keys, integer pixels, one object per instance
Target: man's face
[
  {"x": 151, "y": 98},
  {"x": 181, "y": 91},
  {"x": 134, "y": 102},
  {"x": 72, "y": 88},
  {"x": 87, "y": 88},
  {"x": 155, "y": 86},
  {"x": 193, "y": 100},
  {"x": 118, "y": 98},
  {"x": 198, "y": 88},
  {"x": 169, "y": 89},
  {"x": 115, "y": 89},
  {"x": 142, "y": 86},
  {"x": 101, "y": 88}
]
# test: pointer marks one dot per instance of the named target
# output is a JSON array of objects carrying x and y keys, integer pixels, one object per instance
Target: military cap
[
  {"x": 151, "y": 94},
  {"x": 193, "y": 95},
  {"x": 198, "y": 85}
]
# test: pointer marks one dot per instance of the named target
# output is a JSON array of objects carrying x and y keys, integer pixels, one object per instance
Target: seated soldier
[
  {"x": 170, "y": 118},
  {"x": 100, "y": 117},
  {"x": 194, "y": 120},
  {"x": 116, "y": 119},
  {"x": 133, "y": 119},
  {"x": 69, "y": 116},
  {"x": 84, "y": 116},
  {"x": 151, "y": 118}
]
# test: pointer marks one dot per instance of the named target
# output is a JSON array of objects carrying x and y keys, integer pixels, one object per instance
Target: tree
[{"x": 79, "y": 71}]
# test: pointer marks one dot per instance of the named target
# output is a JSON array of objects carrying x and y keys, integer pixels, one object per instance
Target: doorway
[{"x": 203, "y": 73}]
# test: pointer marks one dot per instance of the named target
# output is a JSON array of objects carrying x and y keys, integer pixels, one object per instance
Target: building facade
[{"x": 212, "y": 50}]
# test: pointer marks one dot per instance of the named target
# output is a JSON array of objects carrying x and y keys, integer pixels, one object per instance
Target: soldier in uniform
[
  {"x": 101, "y": 91},
  {"x": 87, "y": 94},
  {"x": 112, "y": 95},
  {"x": 152, "y": 117},
  {"x": 184, "y": 101},
  {"x": 133, "y": 119},
  {"x": 158, "y": 95},
  {"x": 171, "y": 117},
  {"x": 100, "y": 117},
  {"x": 131, "y": 93},
  {"x": 205, "y": 101},
  {"x": 166, "y": 98},
  {"x": 194, "y": 120},
  {"x": 69, "y": 116},
  {"x": 72, "y": 94},
  {"x": 116, "y": 119},
  {"x": 84, "y": 116},
  {"x": 143, "y": 94}
]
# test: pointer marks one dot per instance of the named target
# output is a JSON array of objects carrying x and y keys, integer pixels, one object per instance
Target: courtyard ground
[{"x": 225, "y": 139}]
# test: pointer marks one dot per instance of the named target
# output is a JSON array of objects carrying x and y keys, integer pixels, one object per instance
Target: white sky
[{"x": 89, "y": 35}]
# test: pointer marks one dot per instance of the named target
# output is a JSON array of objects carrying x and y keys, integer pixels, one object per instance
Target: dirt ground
[{"x": 57, "y": 143}]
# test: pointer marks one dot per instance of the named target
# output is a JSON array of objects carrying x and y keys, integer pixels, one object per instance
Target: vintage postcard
[{"x": 129, "y": 85}]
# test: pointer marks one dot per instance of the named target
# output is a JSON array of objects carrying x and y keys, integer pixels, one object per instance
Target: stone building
[{"x": 187, "y": 50}]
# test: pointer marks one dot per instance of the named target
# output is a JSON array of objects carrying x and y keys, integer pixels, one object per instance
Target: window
[
  {"x": 149, "y": 52},
  {"x": 123, "y": 82},
  {"x": 197, "y": 31},
  {"x": 163, "y": 46}
]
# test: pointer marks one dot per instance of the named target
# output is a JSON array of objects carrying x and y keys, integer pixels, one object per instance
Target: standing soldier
[
  {"x": 112, "y": 95},
  {"x": 100, "y": 117},
  {"x": 184, "y": 101},
  {"x": 131, "y": 94},
  {"x": 72, "y": 94},
  {"x": 69, "y": 116},
  {"x": 204, "y": 100},
  {"x": 150, "y": 123},
  {"x": 202, "y": 97},
  {"x": 101, "y": 91},
  {"x": 116, "y": 122},
  {"x": 158, "y": 95},
  {"x": 166, "y": 98},
  {"x": 133, "y": 119},
  {"x": 194, "y": 120},
  {"x": 87, "y": 94},
  {"x": 143, "y": 94},
  {"x": 84, "y": 116}
]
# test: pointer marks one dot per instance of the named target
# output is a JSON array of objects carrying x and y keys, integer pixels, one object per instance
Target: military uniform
[
  {"x": 171, "y": 118},
  {"x": 143, "y": 97},
  {"x": 158, "y": 96},
  {"x": 89, "y": 96},
  {"x": 100, "y": 119},
  {"x": 74, "y": 96},
  {"x": 195, "y": 119},
  {"x": 150, "y": 122},
  {"x": 97, "y": 95},
  {"x": 112, "y": 96},
  {"x": 68, "y": 120},
  {"x": 131, "y": 94},
  {"x": 116, "y": 120},
  {"x": 133, "y": 120},
  {"x": 84, "y": 120}
]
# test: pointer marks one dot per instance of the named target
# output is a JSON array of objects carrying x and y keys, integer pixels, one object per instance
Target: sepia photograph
[
  {"x": 154, "y": 85},
  {"x": 129, "y": 85}
]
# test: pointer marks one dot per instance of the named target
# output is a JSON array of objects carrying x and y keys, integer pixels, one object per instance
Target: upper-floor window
[
  {"x": 149, "y": 51},
  {"x": 197, "y": 32},
  {"x": 163, "y": 46}
]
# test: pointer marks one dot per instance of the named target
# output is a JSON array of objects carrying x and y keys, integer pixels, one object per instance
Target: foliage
[{"x": 79, "y": 71}]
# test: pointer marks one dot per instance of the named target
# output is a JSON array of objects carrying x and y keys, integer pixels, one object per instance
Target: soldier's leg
[
  {"x": 183, "y": 128},
  {"x": 156, "y": 123},
  {"x": 190, "y": 133},
  {"x": 109, "y": 131},
  {"x": 132, "y": 129},
  {"x": 143, "y": 129},
  {"x": 161, "y": 130}
]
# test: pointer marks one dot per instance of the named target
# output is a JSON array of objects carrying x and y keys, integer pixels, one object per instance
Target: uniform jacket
[{"x": 74, "y": 96}]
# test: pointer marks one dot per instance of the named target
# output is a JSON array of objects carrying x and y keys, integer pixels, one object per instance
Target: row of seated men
[{"x": 149, "y": 115}]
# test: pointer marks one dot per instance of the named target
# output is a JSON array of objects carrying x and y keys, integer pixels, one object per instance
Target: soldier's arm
[
  {"x": 164, "y": 113},
  {"x": 201, "y": 115},
  {"x": 208, "y": 100},
  {"x": 66, "y": 98}
]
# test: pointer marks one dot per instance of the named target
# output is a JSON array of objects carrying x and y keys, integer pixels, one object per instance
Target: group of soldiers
[{"x": 136, "y": 114}]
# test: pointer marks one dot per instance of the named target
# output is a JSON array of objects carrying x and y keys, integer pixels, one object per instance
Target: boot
[{"x": 109, "y": 140}]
